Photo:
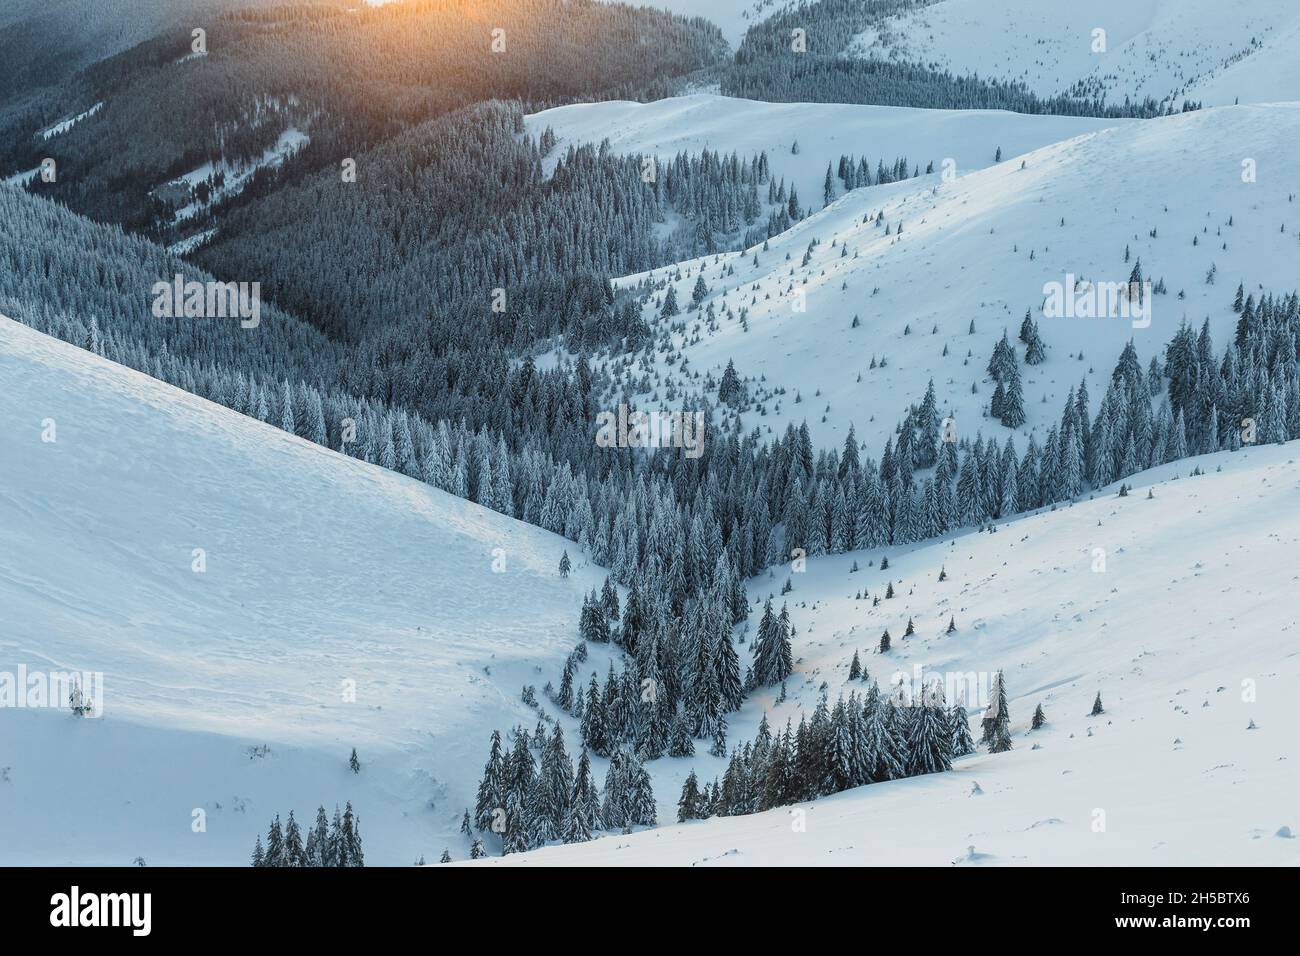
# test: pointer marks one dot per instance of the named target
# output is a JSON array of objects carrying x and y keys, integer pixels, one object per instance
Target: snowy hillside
[
  {"x": 822, "y": 132},
  {"x": 1186, "y": 632},
  {"x": 1200, "y": 50},
  {"x": 980, "y": 248},
  {"x": 321, "y": 574}
]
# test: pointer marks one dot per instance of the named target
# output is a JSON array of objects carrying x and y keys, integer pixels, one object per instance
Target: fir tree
[
  {"x": 997, "y": 722},
  {"x": 275, "y": 855},
  {"x": 491, "y": 789},
  {"x": 680, "y": 743},
  {"x": 670, "y": 307},
  {"x": 688, "y": 805},
  {"x": 962, "y": 742},
  {"x": 294, "y": 855}
]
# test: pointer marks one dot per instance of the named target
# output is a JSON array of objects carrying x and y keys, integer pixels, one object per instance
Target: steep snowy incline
[
  {"x": 1185, "y": 624},
  {"x": 1202, "y": 50},
  {"x": 822, "y": 131},
  {"x": 324, "y": 575},
  {"x": 1189, "y": 195}
]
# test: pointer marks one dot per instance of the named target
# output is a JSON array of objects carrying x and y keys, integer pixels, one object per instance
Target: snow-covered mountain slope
[
  {"x": 823, "y": 132},
  {"x": 981, "y": 248},
  {"x": 1202, "y": 50},
  {"x": 1188, "y": 634},
  {"x": 323, "y": 574}
]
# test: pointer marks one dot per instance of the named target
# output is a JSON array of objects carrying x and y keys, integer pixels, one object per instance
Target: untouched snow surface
[
  {"x": 1201, "y": 50},
  {"x": 320, "y": 569},
  {"x": 1189, "y": 633}
]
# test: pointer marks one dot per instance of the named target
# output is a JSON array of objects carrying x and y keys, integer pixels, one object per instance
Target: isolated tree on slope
[
  {"x": 1039, "y": 718},
  {"x": 729, "y": 391},
  {"x": 670, "y": 307},
  {"x": 701, "y": 291}
]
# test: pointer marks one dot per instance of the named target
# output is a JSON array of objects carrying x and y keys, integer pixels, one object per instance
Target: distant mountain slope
[
  {"x": 822, "y": 132},
  {"x": 43, "y": 42},
  {"x": 1184, "y": 634},
  {"x": 732, "y": 17},
  {"x": 1200, "y": 50},
  {"x": 1168, "y": 192},
  {"x": 320, "y": 570},
  {"x": 348, "y": 79}
]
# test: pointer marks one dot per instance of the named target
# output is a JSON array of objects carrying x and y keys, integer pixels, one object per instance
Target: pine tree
[
  {"x": 554, "y": 798},
  {"x": 565, "y": 565},
  {"x": 1039, "y": 718},
  {"x": 680, "y": 743},
  {"x": 294, "y": 855},
  {"x": 729, "y": 391},
  {"x": 275, "y": 855},
  {"x": 883, "y": 745},
  {"x": 773, "y": 658},
  {"x": 998, "y": 720},
  {"x": 319, "y": 852},
  {"x": 884, "y": 642},
  {"x": 1096, "y": 706},
  {"x": 670, "y": 307},
  {"x": 700, "y": 292},
  {"x": 491, "y": 790},
  {"x": 594, "y": 734},
  {"x": 351, "y": 835},
  {"x": 855, "y": 667},
  {"x": 688, "y": 805},
  {"x": 930, "y": 740},
  {"x": 353, "y": 762},
  {"x": 962, "y": 742}
]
